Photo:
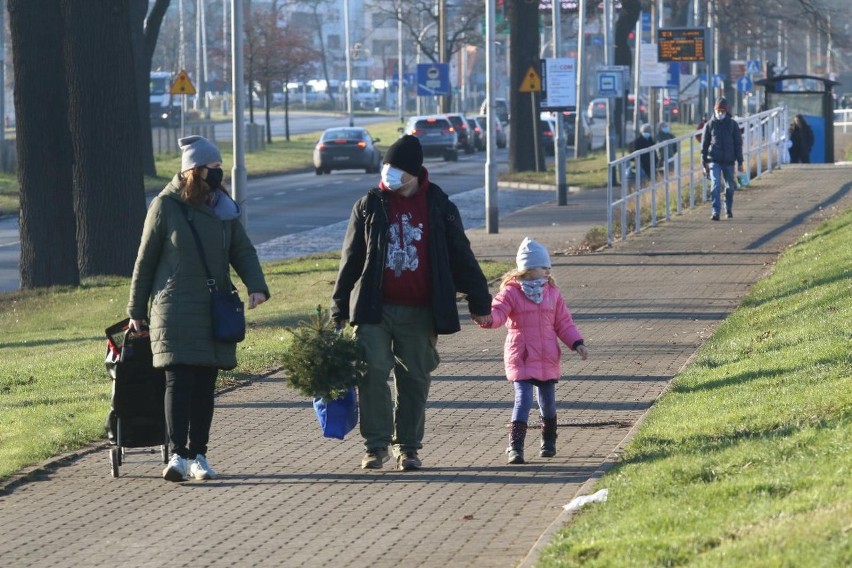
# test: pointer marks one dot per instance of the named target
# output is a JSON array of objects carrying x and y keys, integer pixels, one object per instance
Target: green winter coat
[{"x": 169, "y": 273}]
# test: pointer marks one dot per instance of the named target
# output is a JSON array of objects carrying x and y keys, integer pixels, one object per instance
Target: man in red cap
[{"x": 721, "y": 147}]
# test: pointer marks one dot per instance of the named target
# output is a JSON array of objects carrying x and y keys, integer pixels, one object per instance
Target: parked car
[
  {"x": 478, "y": 133},
  {"x": 569, "y": 120},
  {"x": 500, "y": 133},
  {"x": 346, "y": 148},
  {"x": 501, "y": 108},
  {"x": 547, "y": 133},
  {"x": 671, "y": 110},
  {"x": 597, "y": 109},
  {"x": 465, "y": 138},
  {"x": 437, "y": 135}
]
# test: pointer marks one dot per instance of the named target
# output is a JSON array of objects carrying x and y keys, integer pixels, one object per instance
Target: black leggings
[{"x": 189, "y": 408}]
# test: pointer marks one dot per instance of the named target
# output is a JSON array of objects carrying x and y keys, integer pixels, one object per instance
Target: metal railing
[
  {"x": 843, "y": 117},
  {"x": 679, "y": 180}
]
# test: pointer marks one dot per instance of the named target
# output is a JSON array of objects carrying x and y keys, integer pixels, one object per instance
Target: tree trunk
[
  {"x": 523, "y": 18},
  {"x": 626, "y": 23},
  {"x": 48, "y": 242},
  {"x": 142, "y": 66},
  {"x": 109, "y": 197},
  {"x": 268, "y": 99}
]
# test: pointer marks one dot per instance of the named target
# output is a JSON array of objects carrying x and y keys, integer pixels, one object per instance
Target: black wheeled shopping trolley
[{"x": 137, "y": 417}]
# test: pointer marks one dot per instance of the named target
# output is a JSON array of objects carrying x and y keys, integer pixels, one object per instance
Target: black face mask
[{"x": 214, "y": 177}]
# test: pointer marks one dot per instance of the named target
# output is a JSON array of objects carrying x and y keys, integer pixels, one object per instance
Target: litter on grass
[{"x": 577, "y": 502}]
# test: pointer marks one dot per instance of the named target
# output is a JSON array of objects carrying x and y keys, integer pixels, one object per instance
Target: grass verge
[
  {"x": 747, "y": 460},
  {"x": 54, "y": 389}
]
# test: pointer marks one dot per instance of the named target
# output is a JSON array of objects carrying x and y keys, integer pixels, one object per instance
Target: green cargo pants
[{"x": 405, "y": 342}]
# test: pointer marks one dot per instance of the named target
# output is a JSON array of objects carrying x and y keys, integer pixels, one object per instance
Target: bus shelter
[{"x": 811, "y": 97}]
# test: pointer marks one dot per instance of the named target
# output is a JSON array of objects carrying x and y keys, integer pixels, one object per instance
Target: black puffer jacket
[
  {"x": 358, "y": 292},
  {"x": 722, "y": 142}
]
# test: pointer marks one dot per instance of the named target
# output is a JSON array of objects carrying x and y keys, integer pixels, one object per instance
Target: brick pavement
[{"x": 287, "y": 497}]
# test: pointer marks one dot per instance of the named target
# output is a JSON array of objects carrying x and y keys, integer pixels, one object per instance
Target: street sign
[
  {"x": 673, "y": 82},
  {"x": 653, "y": 73},
  {"x": 681, "y": 44},
  {"x": 559, "y": 83},
  {"x": 610, "y": 81},
  {"x": 744, "y": 84},
  {"x": 182, "y": 85},
  {"x": 531, "y": 82},
  {"x": 753, "y": 66},
  {"x": 433, "y": 79},
  {"x": 719, "y": 81}
]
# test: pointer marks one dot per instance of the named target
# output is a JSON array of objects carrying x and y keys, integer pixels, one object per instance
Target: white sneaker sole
[{"x": 173, "y": 474}]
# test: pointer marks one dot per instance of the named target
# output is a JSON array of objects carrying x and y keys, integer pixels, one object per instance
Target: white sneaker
[
  {"x": 176, "y": 470},
  {"x": 200, "y": 469}
]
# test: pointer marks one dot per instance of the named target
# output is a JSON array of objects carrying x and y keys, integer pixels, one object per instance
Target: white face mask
[
  {"x": 720, "y": 114},
  {"x": 392, "y": 177}
]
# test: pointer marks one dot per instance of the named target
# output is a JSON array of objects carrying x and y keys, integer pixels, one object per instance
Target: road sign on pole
[
  {"x": 182, "y": 85},
  {"x": 531, "y": 82},
  {"x": 433, "y": 79},
  {"x": 744, "y": 84},
  {"x": 610, "y": 81}
]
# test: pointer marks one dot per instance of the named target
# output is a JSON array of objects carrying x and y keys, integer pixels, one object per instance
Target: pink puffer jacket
[{"x": 532, "y": 350}]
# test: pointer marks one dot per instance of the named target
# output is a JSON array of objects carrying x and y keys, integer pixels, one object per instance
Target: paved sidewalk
[{"x": 288, "y": 497}]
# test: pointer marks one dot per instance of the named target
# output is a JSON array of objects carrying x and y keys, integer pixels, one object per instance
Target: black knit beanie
[{"x": 406, "y": 154}]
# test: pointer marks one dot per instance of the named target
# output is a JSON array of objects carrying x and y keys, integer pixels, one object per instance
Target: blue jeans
[
  {"x": 524, "y": 398},
  {"x": 716, "y": 173}
]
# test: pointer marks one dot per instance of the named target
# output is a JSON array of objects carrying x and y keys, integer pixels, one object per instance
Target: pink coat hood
[{"x": 532, "y": 348}]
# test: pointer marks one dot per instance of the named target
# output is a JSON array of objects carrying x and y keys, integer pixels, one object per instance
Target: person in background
[
  {"x": 170, "y": 277},
  {"x": 644, "y": 140},
  {"x": 700, "y": 128},
  {"x": 802, "y": 140},
  {"x": 721, "y": 148},
  {"x": 664, "y": 132},
  {"x": 532, "y": 307},
  {"x": 404, "y": 257}
]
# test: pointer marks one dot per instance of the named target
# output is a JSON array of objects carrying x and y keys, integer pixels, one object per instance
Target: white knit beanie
[{"x": 532, "y": 255}]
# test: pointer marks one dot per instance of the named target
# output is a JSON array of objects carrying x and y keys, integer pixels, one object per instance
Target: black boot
[
  {"x": 548, "y": 437},
  {"x": 515, "y": 451}
]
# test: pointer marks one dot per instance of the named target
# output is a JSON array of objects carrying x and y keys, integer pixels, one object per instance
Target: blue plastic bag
[{"x": 339, "y": 416}]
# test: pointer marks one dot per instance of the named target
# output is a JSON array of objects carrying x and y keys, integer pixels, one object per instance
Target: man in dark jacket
[
  {"x": 405, "y": 254},
  {"x": 721, "y": 147}
]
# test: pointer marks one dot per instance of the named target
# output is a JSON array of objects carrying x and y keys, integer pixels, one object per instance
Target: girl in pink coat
[{"x": 531, "y": 306}]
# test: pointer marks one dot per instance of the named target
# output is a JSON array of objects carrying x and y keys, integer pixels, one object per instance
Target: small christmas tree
[{"x": 322, "y": 361}]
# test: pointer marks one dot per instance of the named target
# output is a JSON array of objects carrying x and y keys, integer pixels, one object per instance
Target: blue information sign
[
  {"x": 433, "y": 79},
  {"x": 744, "y": 84}
]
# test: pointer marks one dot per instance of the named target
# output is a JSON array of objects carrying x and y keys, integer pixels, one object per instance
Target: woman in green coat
[{"x": 170, "y": 276}]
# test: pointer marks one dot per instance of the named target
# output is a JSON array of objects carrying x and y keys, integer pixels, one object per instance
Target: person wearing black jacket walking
[
  {"x": 721, "y": 147},
  {"x": 404, "y": 257},
  {"x": 802, "y": 138}
]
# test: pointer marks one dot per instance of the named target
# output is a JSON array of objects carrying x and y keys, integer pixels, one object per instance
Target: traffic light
[{"x": 770, "y": 70}]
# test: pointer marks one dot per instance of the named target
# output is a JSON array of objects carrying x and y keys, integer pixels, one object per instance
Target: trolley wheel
[
  {"x": 164, "y": 450},
  {"x": 114, "y": 460}
]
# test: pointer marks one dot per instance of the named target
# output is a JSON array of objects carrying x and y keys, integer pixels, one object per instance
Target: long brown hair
[{"x": 194, "y": 189}]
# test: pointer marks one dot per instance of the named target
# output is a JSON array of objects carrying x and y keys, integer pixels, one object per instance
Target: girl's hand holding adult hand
[
  {"x": 255, "y": 299},
  {"x": 482, "y": 321}
]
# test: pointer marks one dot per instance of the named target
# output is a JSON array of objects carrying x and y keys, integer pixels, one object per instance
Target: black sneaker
[
  {"x": 714, "y": 218},
  {"x": 729, "y": 215},
  {"x": 374, "y": 458},
  {"x": 408, "y": 461}
]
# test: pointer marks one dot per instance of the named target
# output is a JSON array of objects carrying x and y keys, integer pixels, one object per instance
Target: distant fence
[
  {"x": 165, "y": 139},
  {"x": 679, "y": 180}
]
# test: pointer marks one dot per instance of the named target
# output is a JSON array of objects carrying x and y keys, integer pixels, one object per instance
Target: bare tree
[
  {"x": 316, "y": 18},
  {"x": 48, "y": 228}
]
